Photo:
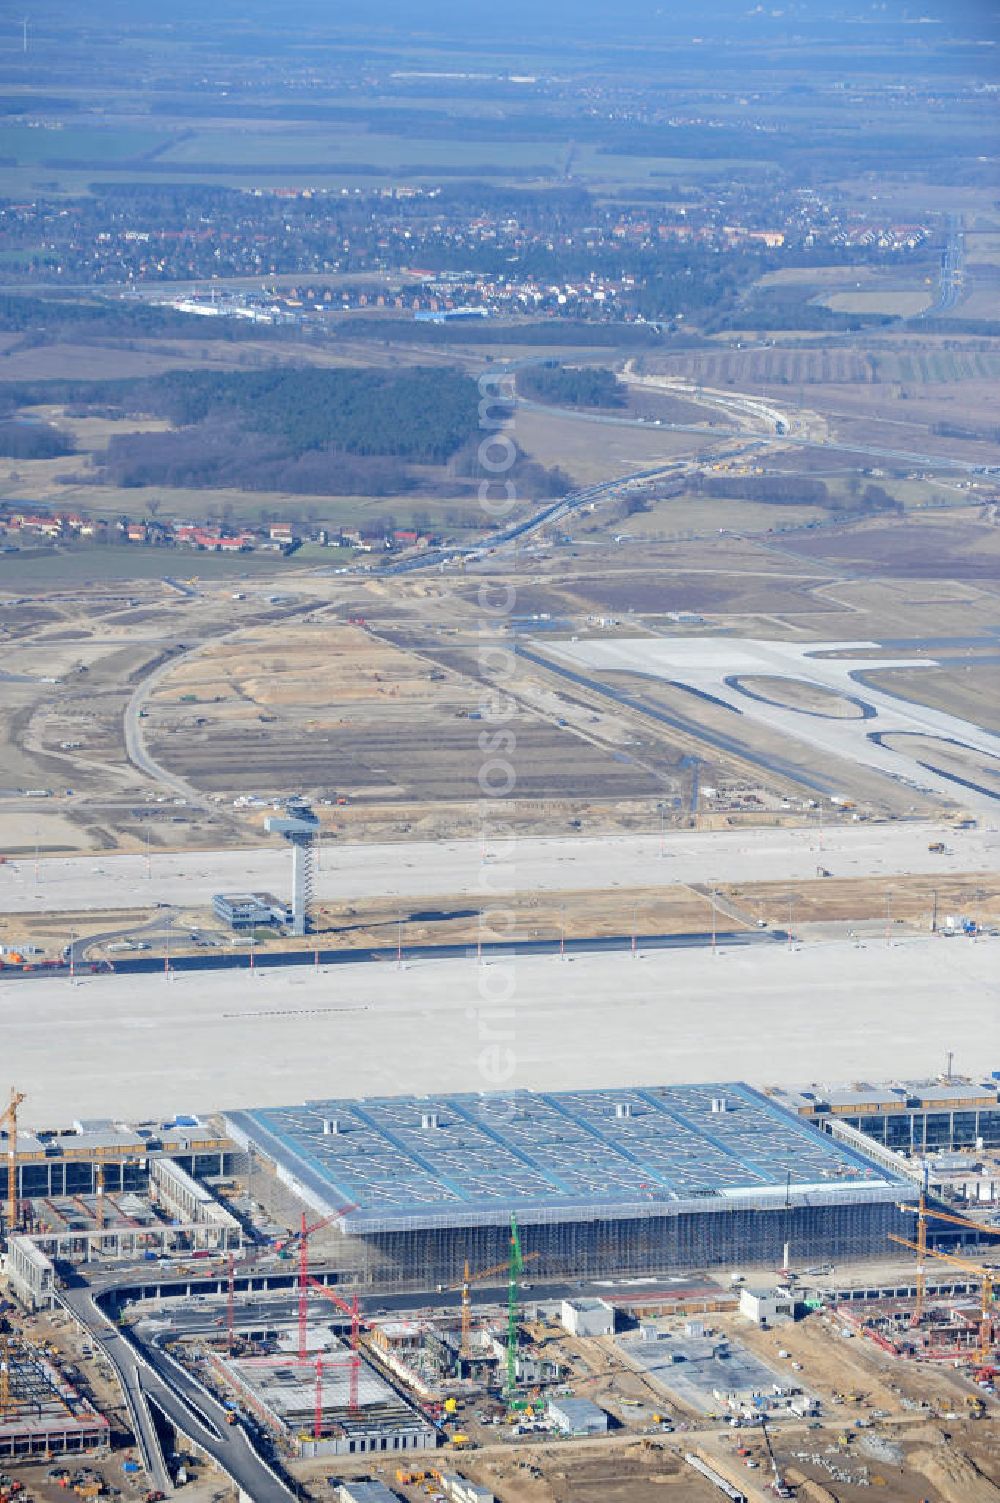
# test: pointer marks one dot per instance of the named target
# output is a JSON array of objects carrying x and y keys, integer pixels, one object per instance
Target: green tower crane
[{"x": 516, "y": 1269}]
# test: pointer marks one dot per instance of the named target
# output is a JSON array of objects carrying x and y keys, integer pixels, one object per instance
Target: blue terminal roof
[{"x": 405, "y": 1162}]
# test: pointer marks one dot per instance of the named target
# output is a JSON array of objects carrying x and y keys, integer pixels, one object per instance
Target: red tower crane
[
  {"x": 302, "y": 1238},
  {"x": 352, "y": 1309},
  {"x": 231, "y": 1302},
  {"x": 323, "y": 1366}
]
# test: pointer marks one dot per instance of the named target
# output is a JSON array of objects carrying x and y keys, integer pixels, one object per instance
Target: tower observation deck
[{"x": 299, "y": 826}]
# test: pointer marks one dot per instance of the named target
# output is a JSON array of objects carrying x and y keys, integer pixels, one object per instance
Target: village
[{"x": 30, "y": 527}]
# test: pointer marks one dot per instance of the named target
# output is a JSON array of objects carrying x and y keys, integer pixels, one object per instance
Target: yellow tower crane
[
  {"x": 4, "y": 1377},
  {"x": 924, "y": 1214},
  {"x": 468, "y": 1280},
  {"x": 9, "y": 1120},
  {"x": 985, "y": 1276}
]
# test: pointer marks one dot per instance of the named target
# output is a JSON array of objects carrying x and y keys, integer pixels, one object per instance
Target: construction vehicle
[{"x": 779, "y": 1486}]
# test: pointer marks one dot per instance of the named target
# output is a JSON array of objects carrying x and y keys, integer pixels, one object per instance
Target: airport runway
[
  {"x": 483, "y": 871},
  {"x": 144, "y": 1046}
]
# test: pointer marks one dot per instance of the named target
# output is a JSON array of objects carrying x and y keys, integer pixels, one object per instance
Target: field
[
  {"x": 917, "y": 547},
  {"x": 590, "y": 451},
  {"x": 85, "y": 565},
  {"x": 687, "y": 516},
  {"x": 360, "y": 152},
  {"x": 49, "y": 146},
  {"x": 887, "y": 362},
  {"x": 983, "y": 248},
  {"x": 972, "y": 691},
  {"x": 78, "y": 159},
  {"x": 651, "y": 591},
  {"x": 901, "y": 304}
]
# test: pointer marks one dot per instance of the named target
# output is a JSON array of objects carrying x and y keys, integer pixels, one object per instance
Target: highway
[
  {"x": 951, "y": 279},
  {"x": 553, "y": 511},
  {"x": 763, "y": 437}
]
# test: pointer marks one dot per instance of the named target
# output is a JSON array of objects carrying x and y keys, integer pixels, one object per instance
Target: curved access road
[
  {"x": 150, "y": 1376},
  {"x": 135, "y": 741}
]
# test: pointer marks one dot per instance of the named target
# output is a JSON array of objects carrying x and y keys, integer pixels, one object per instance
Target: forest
[
  {"x": 582, "y": 386},
  {"x": 20, "y": 439},
  {"x": 340, "y": 431},
  {"x": 793, "y": 490}
]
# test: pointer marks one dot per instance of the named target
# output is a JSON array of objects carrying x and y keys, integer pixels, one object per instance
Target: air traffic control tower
[{"x": 299, "y": 826}]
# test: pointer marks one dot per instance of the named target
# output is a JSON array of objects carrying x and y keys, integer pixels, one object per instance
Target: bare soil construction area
[
  {"x": 967, "y": 766},
  {"x": 342, "y": 712},
  {"x": 272, "y": 694}
]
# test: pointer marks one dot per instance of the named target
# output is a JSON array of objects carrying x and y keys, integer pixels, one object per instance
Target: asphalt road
[
  {"x": 951, "y": 279},
  {"x": 227, "y": 960},
  {"x": 135, "y": 743},
  {"x": 147, "y": 1374}
]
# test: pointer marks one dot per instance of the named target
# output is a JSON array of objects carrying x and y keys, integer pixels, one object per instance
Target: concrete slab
[{"x": 144, "y": 1045}]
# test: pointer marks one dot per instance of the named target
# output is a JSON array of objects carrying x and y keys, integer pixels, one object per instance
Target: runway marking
[{"x": 296, "y": 1012}]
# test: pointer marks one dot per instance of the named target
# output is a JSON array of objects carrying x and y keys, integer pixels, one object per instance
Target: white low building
[
  {"x": 588, "y": 1317},
  {"x": 578, "y": 1417},
  {"x": 765, "y": 1307}
]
